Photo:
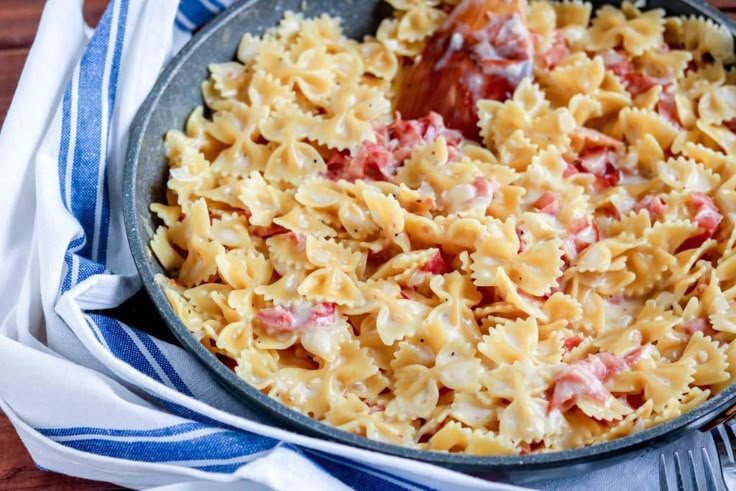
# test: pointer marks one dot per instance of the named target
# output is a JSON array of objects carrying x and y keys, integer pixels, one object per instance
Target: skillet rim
[{"x": 581, "y": 456}]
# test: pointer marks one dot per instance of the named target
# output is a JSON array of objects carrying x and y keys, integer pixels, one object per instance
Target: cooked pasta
[{"x": 566, "y": 280}]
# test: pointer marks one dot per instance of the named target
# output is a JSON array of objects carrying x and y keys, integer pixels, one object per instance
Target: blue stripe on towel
[
  {"x": 160, "y": 358},
  {"x": 179, "y": 429},
  {"x": 88, "y": 166},
  {"x": 122, "y": 346},
  {"x": 66, "y": 124},
  {"x": 223, "y": 444},
  {"x": 104, "y": 220},
  {"x": 195, "y": 12},
  {"x": 87, "y": 149},
  {"x": 359, "y": 476},
  {"x": 220, "y": 468},
  {"x": 218, "y": 4},
  {"x": 119, "y": 338},
  {"x": 185, "y": 412}
]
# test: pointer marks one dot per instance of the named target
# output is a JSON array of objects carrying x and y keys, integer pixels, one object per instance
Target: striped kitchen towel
[{"x": 89, "y": 395}]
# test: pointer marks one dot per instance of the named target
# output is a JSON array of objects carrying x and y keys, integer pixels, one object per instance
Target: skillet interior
[{"x": 173, "y": 97}]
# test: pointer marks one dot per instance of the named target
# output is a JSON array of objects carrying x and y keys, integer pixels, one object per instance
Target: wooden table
[{"x": 18, "y": 23}]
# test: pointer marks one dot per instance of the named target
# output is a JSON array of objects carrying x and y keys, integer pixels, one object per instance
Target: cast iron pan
[{"x": 173, "y": 97}]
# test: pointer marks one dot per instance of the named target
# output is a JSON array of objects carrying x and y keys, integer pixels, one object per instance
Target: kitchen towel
[{"x": 91, "y": 396}]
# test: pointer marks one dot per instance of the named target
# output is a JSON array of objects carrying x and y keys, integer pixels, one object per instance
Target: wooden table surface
[{"x": 18, "y": 23}]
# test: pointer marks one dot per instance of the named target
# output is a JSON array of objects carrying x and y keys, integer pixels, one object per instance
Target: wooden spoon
[{"x": 483, "y": 50}]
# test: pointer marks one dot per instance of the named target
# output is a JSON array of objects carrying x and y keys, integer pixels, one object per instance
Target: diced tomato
[
  {"x": 584, "y": 232},
  {"x": 436, "y": 265},
  {"x": 558, "y": 287},
  {"x": 276, "y": 319},
  {"x": 478, "y": 195},
  {"x": 638, "y": 83},
  {"x": 280, "y": 318},
  {"x": 614, "y": 364},
  {"x": 336, "y": 165},
  {"x": 612, "y": 210},
  {"x": 620, "y": 64},
  {"x": 393, "y": 144},
  {"x": 655, "y": 205},
  {"x": 696, "y": 324},
  {"x": 699, "y": 324},
  {"x": 602, "y": 163},
  {"x": 557, "y": 52},
  {"x": 666, "y": 107},
  {"x": 548, "y": 203},
  {"x": 571, "y": 342},
  {"x": 375, "y": 408},
  {"x": 322, "y": 314},
  {"x": 693, "y": 242},
  {"x": 372, "y": 157},
  {"x": 635, "y": 400},
  {"x": 730, "y": 124},
  {"x": 483, "y": 187},
  {"x": 706, "y": 215},
  {"x": 631, "y": 356},
  {"x": 594, "y": 161},
  {"x": 584, "y": 379},
  {"x": 608, "y": 180},
  {"x": 296, "y": 237},
  {"x": 433, "y": 126},
  {"x": 570, "y": 170}
]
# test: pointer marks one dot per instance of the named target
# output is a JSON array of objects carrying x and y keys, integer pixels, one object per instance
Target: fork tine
[
  {"x": 730, "y": 439},
  {"x": 663, "y": 485},
  {"x": 679, "y": 481},
  {"x": 710, "y": 475},
  {"x": 722, "y": 442},
  {"x": 693, "y": 470}
]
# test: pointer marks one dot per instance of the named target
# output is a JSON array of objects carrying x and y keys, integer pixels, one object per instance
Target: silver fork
[
  {"x": 686, "y": 476},
  {"x": 724, "y": 437}
]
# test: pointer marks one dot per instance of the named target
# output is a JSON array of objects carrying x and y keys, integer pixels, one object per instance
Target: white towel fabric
[{"x": 90, "y": 396}]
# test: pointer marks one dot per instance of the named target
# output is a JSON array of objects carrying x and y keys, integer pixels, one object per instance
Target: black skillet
[{"x": 177, "y": 92}]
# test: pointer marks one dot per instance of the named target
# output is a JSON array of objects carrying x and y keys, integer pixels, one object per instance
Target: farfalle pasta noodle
[{"x": 566, "y": 280}]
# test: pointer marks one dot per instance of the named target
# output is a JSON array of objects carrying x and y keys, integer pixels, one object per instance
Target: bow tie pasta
[{"x": 567, "y": 279}]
